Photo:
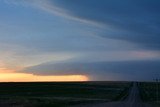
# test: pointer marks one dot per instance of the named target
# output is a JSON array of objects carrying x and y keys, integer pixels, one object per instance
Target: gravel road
[{"x": 133, "y": 100}]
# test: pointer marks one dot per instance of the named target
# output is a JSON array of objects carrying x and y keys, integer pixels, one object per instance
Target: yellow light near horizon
[{"x": 24, "y": 77}]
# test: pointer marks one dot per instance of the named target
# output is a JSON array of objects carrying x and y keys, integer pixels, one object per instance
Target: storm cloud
[
  {"x": 135, "y": 70},
  {"x": 130, "y": 20},
  {"x": 104, "y": 39}
]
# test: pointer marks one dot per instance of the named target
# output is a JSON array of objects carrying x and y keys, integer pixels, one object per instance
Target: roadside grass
[
  {"x": 60, "y": 94},
  {"x": 150, "y": 92},
  {"x": 40, "y": 102},
  {"x": 123, "y": 95}
]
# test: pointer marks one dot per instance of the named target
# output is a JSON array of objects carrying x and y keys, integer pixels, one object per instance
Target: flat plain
[
  {"x": 61, "y": 94},
  {"x": 150, "y": 92},
  {"x": 80, "y": 94}
]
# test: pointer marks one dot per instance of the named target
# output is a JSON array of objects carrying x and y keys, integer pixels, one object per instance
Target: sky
[{"x": 79, "y": 40}]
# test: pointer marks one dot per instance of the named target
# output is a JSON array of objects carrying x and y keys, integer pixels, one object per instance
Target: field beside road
[
  {"x": 60, "y": 94},
  {"x": 150, "y": 92}
]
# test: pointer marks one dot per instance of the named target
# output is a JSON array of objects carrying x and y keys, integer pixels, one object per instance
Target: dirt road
[{"x": 133, "y": 100}]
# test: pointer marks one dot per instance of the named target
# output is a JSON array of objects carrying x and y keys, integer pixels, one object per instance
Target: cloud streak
[
  {"x": 136, "y": 24},
  {"x": 133, "y": 21},
  {"x": 50, "y": 7}
]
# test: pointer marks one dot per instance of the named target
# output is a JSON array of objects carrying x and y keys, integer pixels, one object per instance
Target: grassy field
[
  {"x": 60, "y": 94},
  {"x": 148, "y": 92}
]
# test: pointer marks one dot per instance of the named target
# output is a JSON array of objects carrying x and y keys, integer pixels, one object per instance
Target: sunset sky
[{"x": 79, "y": 40}]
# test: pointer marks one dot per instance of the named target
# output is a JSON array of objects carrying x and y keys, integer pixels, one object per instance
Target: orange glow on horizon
[
  {"x": 5, "y": 70},
  {"x": 24, "y": 77}
]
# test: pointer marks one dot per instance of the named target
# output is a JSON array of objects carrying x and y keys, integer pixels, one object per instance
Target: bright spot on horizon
[{"x": 26, "y": 77}]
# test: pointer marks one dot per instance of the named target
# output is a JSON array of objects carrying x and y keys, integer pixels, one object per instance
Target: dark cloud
[
  {"x": 138, "y": 70},
  {"x": 131, "y": 20}
]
